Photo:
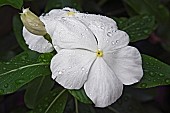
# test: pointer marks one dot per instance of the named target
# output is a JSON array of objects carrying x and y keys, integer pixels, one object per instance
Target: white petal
[
  {"x": 126, "y": 63},
  {"x": 70, "y": 67},
  {"x": 71, "y": 33},
  {"x": 102, "y": 86},
  {"x": 99, "y": 20},
  {"x": 50, "y": 19},
  {"x": 105, "y": 30},
  {"x": 37, "y": 43}
]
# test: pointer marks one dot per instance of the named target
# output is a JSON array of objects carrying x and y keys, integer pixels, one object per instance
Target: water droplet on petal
[
  {"x": 109, "y": 34},
  {"x": 113, "y": 43},
  {"x": 82, "y": 69},
  {"x": 60, "y": 72}
]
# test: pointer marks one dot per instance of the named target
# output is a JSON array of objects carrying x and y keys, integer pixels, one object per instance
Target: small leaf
[
  {"x": 156, "y": 73},
  {"x": 17, "y": 27},
  {"x": 53, "y": 102},
  {"x": 81, "y": 96},
  {"x": 39, "y": 87},
  {"x": 138, "y": 27},
  {"x": 21, "y": 70},
  {"x": 152, "y": 7},
  {"x": 15, "y": 3}
]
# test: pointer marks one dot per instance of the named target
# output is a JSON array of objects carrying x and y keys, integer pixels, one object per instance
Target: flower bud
[{"x": 32, "y": 23}]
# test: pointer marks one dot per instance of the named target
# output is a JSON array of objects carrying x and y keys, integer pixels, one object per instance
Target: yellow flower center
[
  {"x": 99, "y": 53},
  {"x": 70, "y": 13}
]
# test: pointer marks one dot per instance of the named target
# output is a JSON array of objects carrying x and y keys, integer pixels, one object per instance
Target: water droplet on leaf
[{"x": 143, "y": 85}]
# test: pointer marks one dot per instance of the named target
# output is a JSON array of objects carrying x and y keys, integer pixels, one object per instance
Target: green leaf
[
  {"x": 153, "y": 7},
  {"x": 21, "y": 70},
  {"x": 53, "y": 102},
  {"x": 138, "y": 27},
  {"x": 80, "y": 95},
  {"x": 126, "y": 104},
  {"x": 39, "y": 87},
  {"x": 156, "y": 73},
  {"x": 15, "y": 3},
  {"x": 54, "y": 4},
  {"x": 17, "y": 27}
]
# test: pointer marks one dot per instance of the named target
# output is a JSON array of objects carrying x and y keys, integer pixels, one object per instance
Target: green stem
[
  {"x": 76, "y": 105},
  {"x": 112, "y": 109},
  {"x": 48, "y": 37}
]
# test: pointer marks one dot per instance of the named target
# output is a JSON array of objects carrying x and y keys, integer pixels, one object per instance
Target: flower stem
[
  {"x": 112, "y": 109},
  {"x": 76, "y": 105}
]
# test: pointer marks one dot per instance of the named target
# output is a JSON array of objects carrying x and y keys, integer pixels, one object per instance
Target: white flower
[{"x": 95, "y": 54}]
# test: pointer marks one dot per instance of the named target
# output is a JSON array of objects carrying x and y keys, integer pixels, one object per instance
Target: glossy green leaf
[
  {"x": 138, "y": 27},
  {"x": 15, "y": 3},
  {"x": 17, "y": 27},
  {"x": 81, "y": 96},
  {"x": 21, "y": 70},
  {"x": 53, "y": 102},
  {"x": 39, "y": 87},
  {"x": 58, "y": 4},
  {"x": 156, "y": 73},
  {"x": 153, "y": 7},
  {"x": 126, "y": 104}
]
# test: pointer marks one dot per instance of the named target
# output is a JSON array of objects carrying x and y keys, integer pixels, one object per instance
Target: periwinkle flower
[{"x": 92, "y": 53}]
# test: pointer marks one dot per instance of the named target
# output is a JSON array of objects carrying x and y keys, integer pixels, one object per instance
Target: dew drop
[
  {"x": 143, "y": 85},
  {"x": 1, "y": 91},
  {"x": 137, "y": 28},
  {"x": 40, "y": 110},
  {"x": 36, "y": 25},
  {"x": 117, "y": 41},
  {"x": 82, "y": 69},
  {"x": 109, "y": 34},
  {"x": 167, "y": 80},
  {"x": 113, "y": 43},
  {"x": 161, "y": 75},
  {"x": 151, "y": 74},
  {"x": 7, "y": 62},
  {"x": 69, "y": 67},
  {"x": 20, "y": 81},
  {"x": 146, "y": 31},
  {"x": 102, "y": 27},
  {"x": 6, "y": 85},
  {"x": 60, "y": 72},
  {"x": 46, "y": 98}
]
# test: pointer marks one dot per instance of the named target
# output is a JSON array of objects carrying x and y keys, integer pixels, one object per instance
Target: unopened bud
[{"x": 32, "y": 23}]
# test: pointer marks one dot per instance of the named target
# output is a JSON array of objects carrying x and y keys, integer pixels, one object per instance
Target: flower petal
[
  {"x": 126, "y": 63},
  {"x": 70, "y": 67},
  {"x": 71, "y": 33},
  {"x": 105, "y": 30},
  {"x": 102, "y": 85},
  {"x": 37, "y": 43},
  {"x": 50, "y": 19}
]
